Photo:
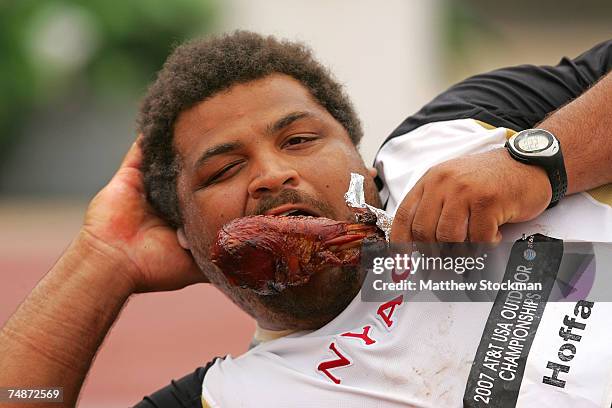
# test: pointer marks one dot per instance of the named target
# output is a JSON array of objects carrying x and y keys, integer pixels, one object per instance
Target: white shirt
[{"x": 403, "y": 354}]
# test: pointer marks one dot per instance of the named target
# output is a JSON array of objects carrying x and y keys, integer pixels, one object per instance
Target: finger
[
  {"x": 191, "y": 275},
  {"x": 483, "y": 227},
  {"x": 129, "y": 172},
  {"x": 401, "y": 230},
  {"x": 453, "y": 222},
  {"x": 195, "y": 274},
  {"x": 133, "y": 158},
  {"x": 426, "y": 216}
]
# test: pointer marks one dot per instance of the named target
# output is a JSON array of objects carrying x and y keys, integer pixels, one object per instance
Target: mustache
[{"x": 289, "y": 196}]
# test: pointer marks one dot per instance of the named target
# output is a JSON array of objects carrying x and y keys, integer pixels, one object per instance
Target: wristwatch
[{"x": 541, "y": 148}]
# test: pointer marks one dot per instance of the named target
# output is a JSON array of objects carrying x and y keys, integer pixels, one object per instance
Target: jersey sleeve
[
  {"x": 518, "y": 97},
  {"x": 185, "y": 392}
]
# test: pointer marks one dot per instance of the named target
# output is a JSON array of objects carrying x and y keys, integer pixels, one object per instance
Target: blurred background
[{"x": 72, "y": 74}]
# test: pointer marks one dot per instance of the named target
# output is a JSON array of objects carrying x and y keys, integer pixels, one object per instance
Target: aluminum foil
[{"x": 355, "y": 198}]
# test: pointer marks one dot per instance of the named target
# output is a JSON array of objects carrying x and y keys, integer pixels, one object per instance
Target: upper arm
[{"x": 516, "y": 97}]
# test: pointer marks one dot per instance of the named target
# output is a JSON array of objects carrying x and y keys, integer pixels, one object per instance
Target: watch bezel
[{"x": 548, "y": 151}]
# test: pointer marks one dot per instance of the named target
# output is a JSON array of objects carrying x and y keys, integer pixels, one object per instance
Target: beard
[{"x": 316, "y": 303}]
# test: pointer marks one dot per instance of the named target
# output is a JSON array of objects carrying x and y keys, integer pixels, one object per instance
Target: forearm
[
  {"x": 53, "y": 336},
  {"x": 584, "y": 128}
]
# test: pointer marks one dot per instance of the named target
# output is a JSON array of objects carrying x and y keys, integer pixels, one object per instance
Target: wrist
[
  {"x": 100, "y": 265},
  {"x": 530, "y": 184}
]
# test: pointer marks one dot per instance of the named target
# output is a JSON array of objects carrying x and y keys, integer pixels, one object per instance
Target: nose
[{"x": 272, "y": 176}]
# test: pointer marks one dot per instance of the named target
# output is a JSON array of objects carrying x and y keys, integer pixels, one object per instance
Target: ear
[
  {"x": 372, "y": 171},
  {"x": 182, "y": 239}
]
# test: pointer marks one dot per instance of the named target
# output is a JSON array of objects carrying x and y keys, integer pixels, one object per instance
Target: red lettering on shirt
[
  {"x": 363, "y": 336},
  {"x": 390, "y": 306},
  {"x": 341, "y": 361}
]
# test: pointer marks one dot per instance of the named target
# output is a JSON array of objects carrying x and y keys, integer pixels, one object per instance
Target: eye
[
  {"x": 226, "y": 172},
  {"x": 298, "y": 140}
]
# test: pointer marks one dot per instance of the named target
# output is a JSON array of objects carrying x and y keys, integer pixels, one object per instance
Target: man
[{"x": 240, "y": 125}]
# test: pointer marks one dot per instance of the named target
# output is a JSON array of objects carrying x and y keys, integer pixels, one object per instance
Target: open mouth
[
  {"x": 289, "y": 210},
  {"x": 294, "y": 213}
]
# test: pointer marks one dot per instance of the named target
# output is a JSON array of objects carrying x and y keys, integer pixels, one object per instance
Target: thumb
[{"x": 401, "y": 230}]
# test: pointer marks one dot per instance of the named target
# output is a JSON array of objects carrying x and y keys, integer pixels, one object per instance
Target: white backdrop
[{"x": 386, "y": 53}]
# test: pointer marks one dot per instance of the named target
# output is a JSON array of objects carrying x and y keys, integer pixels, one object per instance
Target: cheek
[
  {"x": 205, "y": 214},
  {"x": 332, "y": 173},
  {"x": 335, "y": 163}
]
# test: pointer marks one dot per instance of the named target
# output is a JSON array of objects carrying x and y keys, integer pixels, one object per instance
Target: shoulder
[{"x": 186, "y": 392}]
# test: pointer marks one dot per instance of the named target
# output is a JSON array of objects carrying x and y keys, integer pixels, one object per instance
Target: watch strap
[{"x": 557, "y": 176}]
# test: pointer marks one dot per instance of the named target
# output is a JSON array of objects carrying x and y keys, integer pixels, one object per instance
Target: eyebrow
[
  {"x": 287, "y": 120},
  {"x": 229, "y": 147},
  {"x": 217, "y": 150}
]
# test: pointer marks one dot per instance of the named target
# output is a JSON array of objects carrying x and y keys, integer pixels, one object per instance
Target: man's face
[{"x": 260, "y": 147}]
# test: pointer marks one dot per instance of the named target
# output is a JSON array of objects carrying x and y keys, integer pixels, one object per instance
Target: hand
[
  {"x": 120, "y": 224},
  {"x": 469, "y": 198}
]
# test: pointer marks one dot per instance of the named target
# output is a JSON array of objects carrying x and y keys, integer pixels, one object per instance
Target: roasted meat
[{"x": 269, "y": 253}]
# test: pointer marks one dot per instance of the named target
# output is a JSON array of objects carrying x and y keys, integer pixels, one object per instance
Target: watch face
[{"x": 532, "y": 142}]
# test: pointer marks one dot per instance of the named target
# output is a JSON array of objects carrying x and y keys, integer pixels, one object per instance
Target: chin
[{"x": 315, "y": 303}]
